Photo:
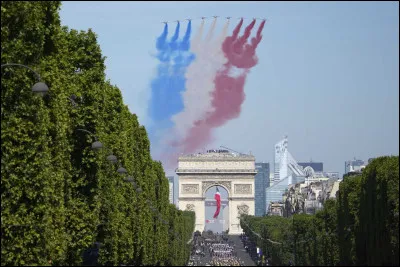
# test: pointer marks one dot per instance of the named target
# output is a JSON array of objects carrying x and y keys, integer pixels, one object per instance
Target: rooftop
[{"x": 215, "y": 154}]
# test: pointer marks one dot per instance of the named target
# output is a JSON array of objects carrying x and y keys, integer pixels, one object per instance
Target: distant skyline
[{"x": 327, "y": 74}]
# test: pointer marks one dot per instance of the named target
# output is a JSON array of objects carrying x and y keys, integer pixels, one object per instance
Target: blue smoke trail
[
  {"x": 173, "y": 44},
  {"x": 161, "y": 44},
  {"x": 168, "y": 85}
]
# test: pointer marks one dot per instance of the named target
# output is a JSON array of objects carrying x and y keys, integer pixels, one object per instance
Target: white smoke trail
[
  {"x": 210, "y": 33},
  {"x": 200, "y": 80}
]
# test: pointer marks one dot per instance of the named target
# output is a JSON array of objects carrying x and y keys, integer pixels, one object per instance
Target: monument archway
[{"x": 233, "y": 172}]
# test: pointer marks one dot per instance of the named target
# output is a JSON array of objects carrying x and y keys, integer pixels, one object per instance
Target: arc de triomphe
[{"x": 235, "y": 172}]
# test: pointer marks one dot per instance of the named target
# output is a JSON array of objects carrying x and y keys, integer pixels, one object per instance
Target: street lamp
[
  {"x": 122, "y": 170},
  {"x": 111, "y": 158},
  {"x": 130, "y": 179},
  {"x": 39, "y": 87},
  {"x": 97, "y": 145},
  {"x": 139, "y": 190},
  {"x": 135, "y": 186}
]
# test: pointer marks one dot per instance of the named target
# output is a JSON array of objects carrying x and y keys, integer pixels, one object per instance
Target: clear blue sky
[{"x": 327, "y": 73}]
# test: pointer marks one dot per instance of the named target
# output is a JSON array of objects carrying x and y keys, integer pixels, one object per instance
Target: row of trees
[
  {"x": 58, "y": 196},
  {"x": 359, "y": 227}
]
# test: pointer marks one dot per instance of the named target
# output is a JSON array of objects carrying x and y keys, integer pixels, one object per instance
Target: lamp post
[
  {"x": 122, "y": 170},
  {"x": 97, "y": 145},
  {"x": 39, "y": 87},
  {"x": 111, "y": 158},
  {"x": 131, "y": 180}
]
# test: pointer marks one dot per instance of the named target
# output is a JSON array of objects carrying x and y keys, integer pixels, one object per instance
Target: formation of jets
[{"x": 189, "y": 19}]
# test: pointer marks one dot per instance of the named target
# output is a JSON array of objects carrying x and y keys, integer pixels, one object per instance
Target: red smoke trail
[
  {"x": 238, "y": 45},
  {"x": 228, "y": 94}
]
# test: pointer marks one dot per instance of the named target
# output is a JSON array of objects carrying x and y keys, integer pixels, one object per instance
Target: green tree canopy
[{"x": 58, "y": 196}]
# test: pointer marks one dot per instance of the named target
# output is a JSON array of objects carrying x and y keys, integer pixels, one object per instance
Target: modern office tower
[
  {"x": 286, "y": 172},
  {"x": 261, "y": 182},
  {"x": 355, "y": 165},
  {"x": 271, "y": 178},
  {"x": 280, "y": 149},
  {"x": 171, "y": 189},
  {"x": 317, "y": 166}
]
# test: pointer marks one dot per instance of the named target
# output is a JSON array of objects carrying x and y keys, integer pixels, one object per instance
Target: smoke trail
[
  {"x": 166, "y": 100},
  {"x": 197, "y": 38},
  {"x": 211, "y": 31},
  {"x": 228, "y": 95},
  {"x": 192, "y": 71},
  {"x": 182, "y": 59},
  {"x": 173, "y": 45},
  {"x": 251, "y": 48},
  {"x": 169, "y": 152},
  {"x": 246, "y": 59},
  {"x": 160, "y": 44},
  {"x": 238, "y": 45},
  {"x": 223, "y": 35},
  {"x": 200, "y": 76}
]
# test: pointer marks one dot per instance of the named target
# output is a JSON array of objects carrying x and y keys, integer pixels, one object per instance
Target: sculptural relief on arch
[{"x": 233, "y": 172}]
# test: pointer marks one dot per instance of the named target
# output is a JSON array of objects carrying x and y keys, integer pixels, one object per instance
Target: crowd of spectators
[
  {"x": 231, "y": 261},
  {"x": 213, "y": 250}
]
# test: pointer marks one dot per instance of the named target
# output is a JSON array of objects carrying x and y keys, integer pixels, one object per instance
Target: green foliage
[
  {"x": 347, "y": 209},
  {"x": 361, "y": 227},
  {"x": 379, "y": 202},
  {"x": 58, "y": 196}
]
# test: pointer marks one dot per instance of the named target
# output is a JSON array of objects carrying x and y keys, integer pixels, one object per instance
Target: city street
[{"x": 241, "y": 251}]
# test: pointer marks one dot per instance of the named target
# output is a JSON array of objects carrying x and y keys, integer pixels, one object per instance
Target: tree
[
  {"x": 58, "y": 195},
  {"x": 336, "y": 235}
]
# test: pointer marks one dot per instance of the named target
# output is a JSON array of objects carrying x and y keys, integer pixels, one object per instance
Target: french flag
[{"x": 217, "y": 198}]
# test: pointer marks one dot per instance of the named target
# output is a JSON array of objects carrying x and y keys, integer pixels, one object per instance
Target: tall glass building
[
  {"x": 286, "y": 171},
  {"x": 261, "y": 182},
  {"x": 279, "y": 157}
]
